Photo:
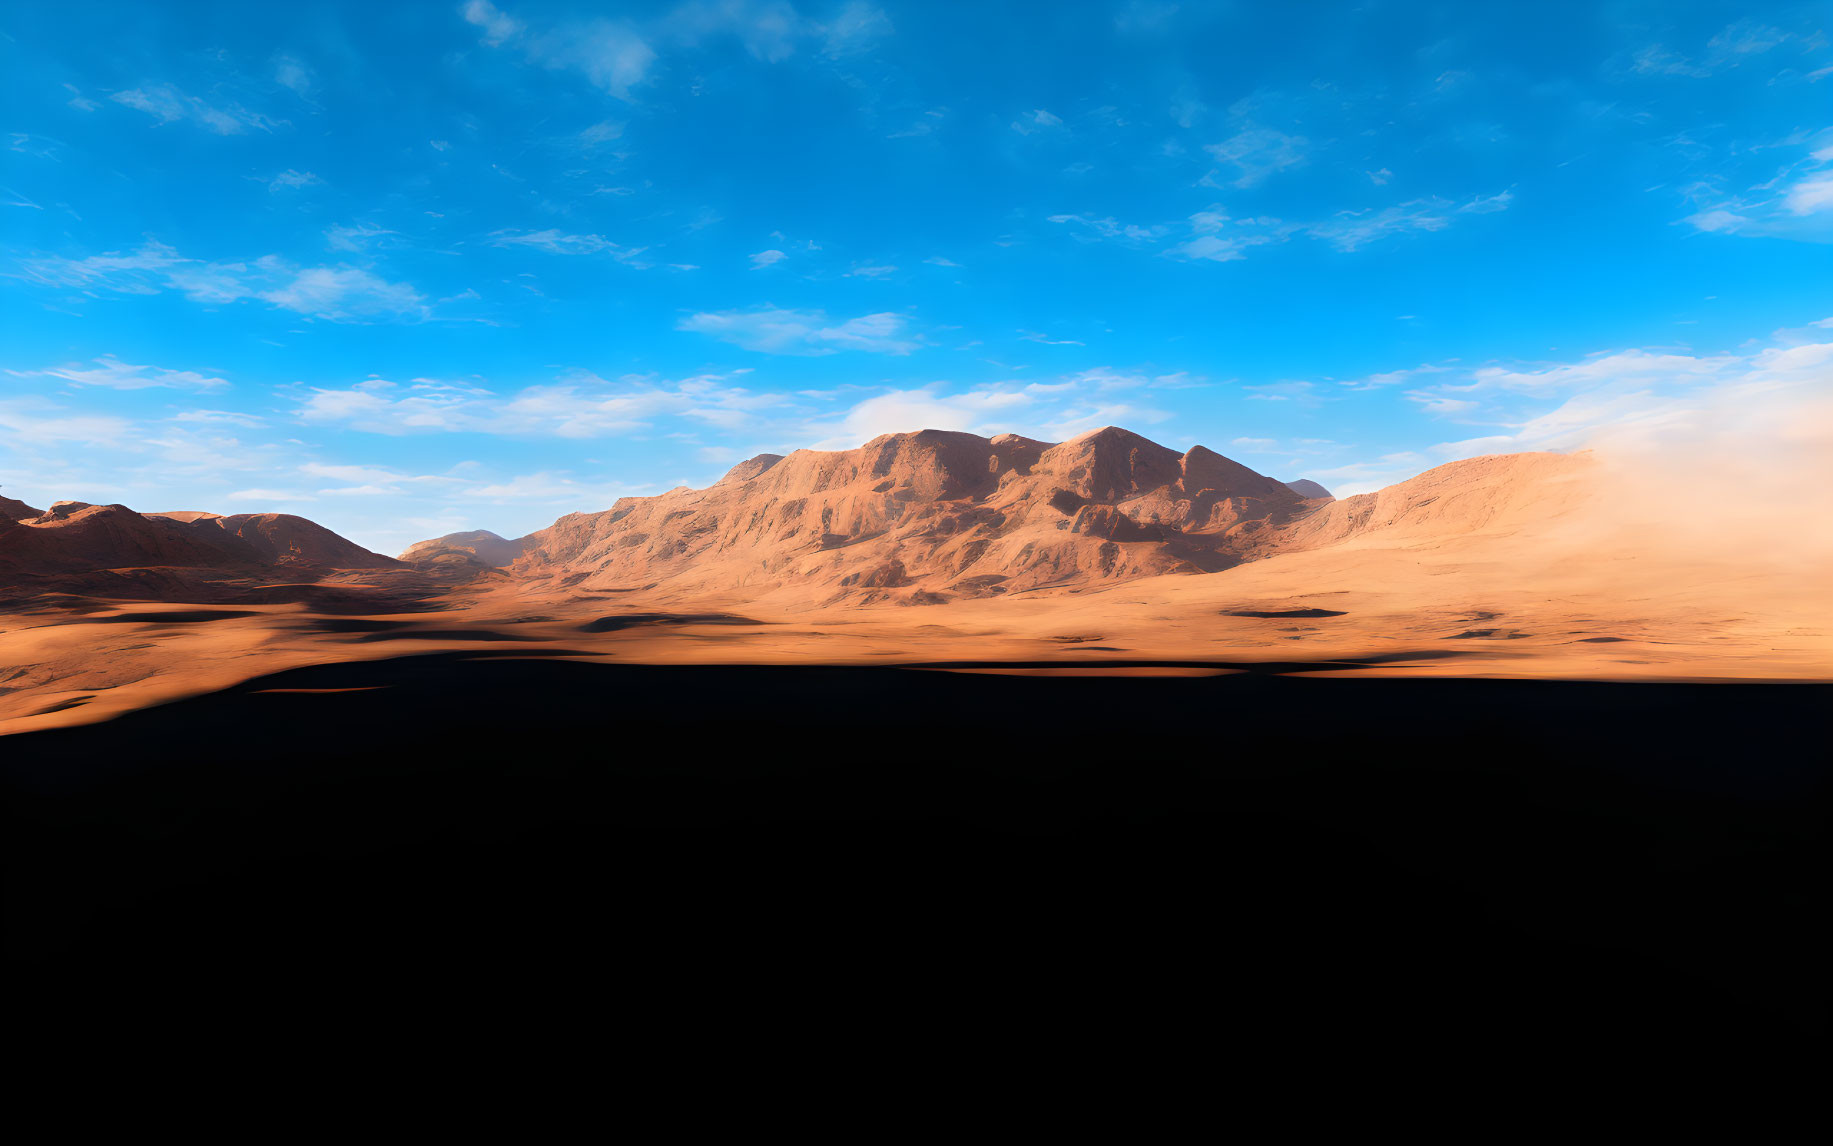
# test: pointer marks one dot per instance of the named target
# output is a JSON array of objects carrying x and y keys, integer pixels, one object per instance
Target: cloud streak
[
  {"x": 771, "y": 330},
  {"x": 341, "y": 293},
  {"x": 111, "y": 373},
  {"x": 619, "y": 55},
  {"x": 167, "y": 104}
]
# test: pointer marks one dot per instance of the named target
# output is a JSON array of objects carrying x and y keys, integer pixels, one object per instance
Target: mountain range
[{"x": 919, "y": 518}]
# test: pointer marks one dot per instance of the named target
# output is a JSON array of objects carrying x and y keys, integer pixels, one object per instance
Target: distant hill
[
  {"x": 480, "y": 545},
  {"x": 14, "y": 510},
  {"x": 75, "y": 537}
]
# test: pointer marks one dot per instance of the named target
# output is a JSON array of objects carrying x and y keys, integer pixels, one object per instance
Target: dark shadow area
[
  {"x": 414, "y": 634},
  {"x": 1285, "y": 613},
  {"x": 1275, "y": 668},
  {"x": 1364, "y": 863},
  {"x": 352, "y": 625},
  {"x": 65, "y": 704},
  {"x": 617, "y": 622},
  {"x": 184, "y": 617}
]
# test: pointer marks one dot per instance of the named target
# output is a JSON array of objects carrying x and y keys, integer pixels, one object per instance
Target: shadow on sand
[{"x": 1293, "y": 859}]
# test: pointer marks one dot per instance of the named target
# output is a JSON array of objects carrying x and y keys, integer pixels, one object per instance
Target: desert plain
[{"x": 1562, "y": 566}]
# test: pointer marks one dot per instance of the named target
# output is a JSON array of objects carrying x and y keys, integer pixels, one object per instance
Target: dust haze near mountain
[{"x": 1746, "y": 476}]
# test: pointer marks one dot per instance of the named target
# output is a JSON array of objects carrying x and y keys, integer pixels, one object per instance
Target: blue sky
[{"x": 410, "y": 268}]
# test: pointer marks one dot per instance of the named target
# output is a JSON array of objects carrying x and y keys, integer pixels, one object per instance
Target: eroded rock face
[{"x": 925, "y": 516}]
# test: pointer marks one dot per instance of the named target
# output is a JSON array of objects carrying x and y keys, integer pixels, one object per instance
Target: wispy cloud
[
  {"x": 1656, "y": 60},
  {"x": 773, "y": 30},
  {"x": 618, "y": 55},
  {"x": 1746, "y": 38},
  {"x": 354, "y": 238},
  {"x": 1625, "y": 365},
  {"x": 342, "y": 294},
  {"x": 602, "y": 132},
  {"x": 776, "y": 331},
  {"x": 1046, "y": 340},
  {"x": 1218, "y": 238},
  {"x": 265, "y": 495},
  {"x": 930, "y": 408},
  {"x": 221, "y": 417},
  {"x": 1303, "y": 393},
  {"x": 1731, "y": 47},
  {"x": 1391, "y": 378},
  {"x": 1036, "y": 120},
  {"x": 496, "y": 26},
  {"x": 1645, "y": 395},
  {"x": 1352, "y": 230},
  {"x": 35, "y": 422},
  {"x": 556, "y": 242},
  {"x": 857, "y": 26},
  {"x": 168, "y": 104},
  {"x": 1090, "y": 228},
  {"x": 338, "y": 293},
  {"x": 1795, "y": 203},
  {"x": 578, "y": 405},
  {"x": 109, "y": 371},
  {"x": 1215, "y": 236},
  {"x": 610, "y": 53},
  {"x": 932, "y": 119},
  {"x": 292, "y": 180},
  {"x": 1256, "y": 152},
  {"x": 1104, "y": 378},
  {"x": 292, "y": 74},
  {"x": 1811, "y": 195}
]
